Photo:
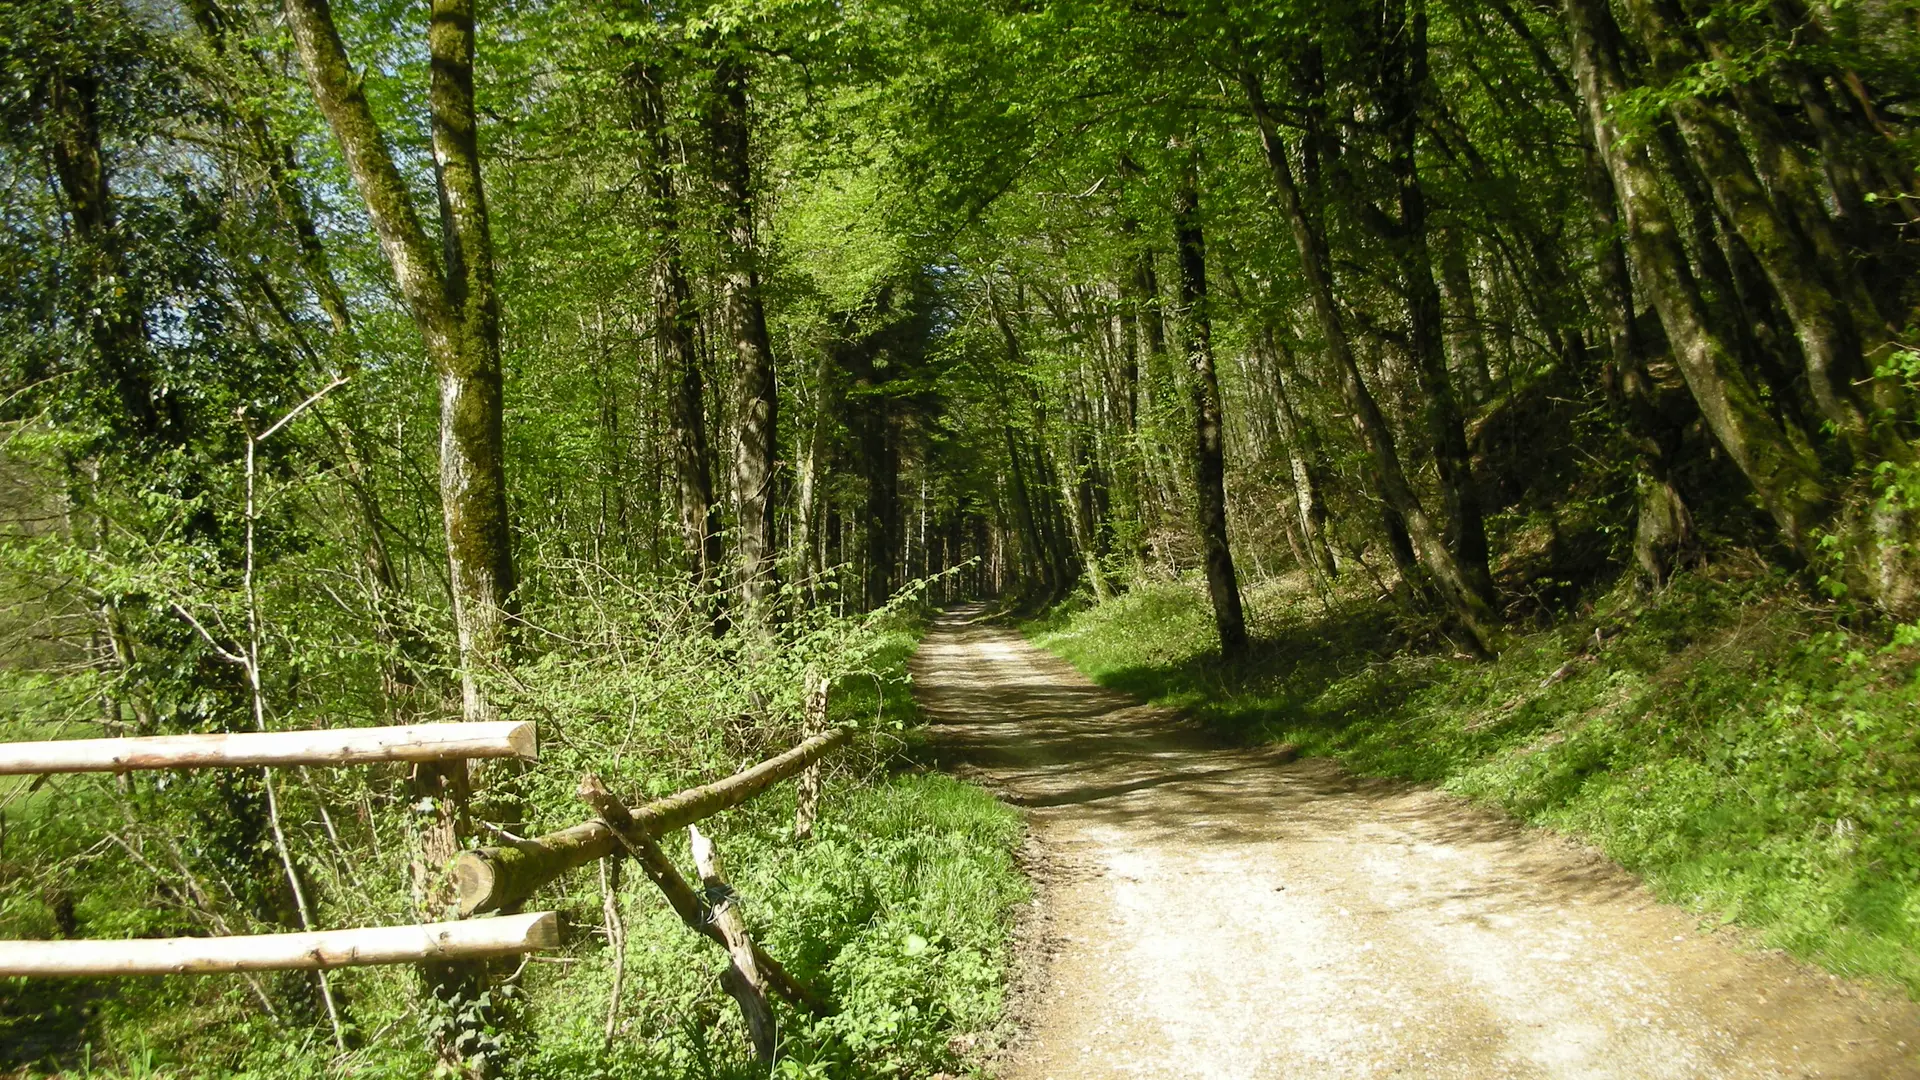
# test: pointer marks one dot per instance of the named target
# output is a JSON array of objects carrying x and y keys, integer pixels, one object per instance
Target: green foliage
[
  {"x": 1728, "y": 740},
  {"x": 899, "y": 907}
]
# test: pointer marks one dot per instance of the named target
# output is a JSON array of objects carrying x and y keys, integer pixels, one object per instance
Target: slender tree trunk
[
  {"x": 676, "y": 319},
  {"x": 1310, "y": 508},
  {"x": 1727, "y": 288},
  {"x": 880, "y": 468},
  {"x": 1457, "y": 584},
  {"x": 1038, "y": 548},
  {"x": 806, "y": 556},
  {"x": 1076, "y": 495},
  {"x": 1033, "y": 550},
  {"x": 1405, "y": 83},
  {"x": 756, "y": 419},
  {"x": 1209, "y": 457},
  {"x": 1159, "y": 383},
  {"x": 1466, "y": 347},
  {"x": 1469, "y": 604},
  {"x": 1050, "y": 516}
]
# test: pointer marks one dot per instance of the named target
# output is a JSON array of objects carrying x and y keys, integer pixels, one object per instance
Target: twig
[
  {"x": 218, "y": 649},
  {"x": 616, "y": 940},
  {"x": 313, "y": 399}
]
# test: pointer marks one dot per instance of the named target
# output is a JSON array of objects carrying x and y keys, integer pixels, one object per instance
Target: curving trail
[{"x": 1214, "y": 912}]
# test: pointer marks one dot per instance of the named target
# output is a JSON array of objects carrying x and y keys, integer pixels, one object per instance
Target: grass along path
[
  {"x": 1208, "y": 911},
  {"x": 1727, "y": 740}
]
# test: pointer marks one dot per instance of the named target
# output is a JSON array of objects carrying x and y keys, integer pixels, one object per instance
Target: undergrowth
[
  {"x": 899, "y": 907},
  {"x": 1729, "y": 738}
]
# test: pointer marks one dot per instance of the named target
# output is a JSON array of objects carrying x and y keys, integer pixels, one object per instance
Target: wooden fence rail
[
  {"x": 335, "y": 746},
  {"x": 492, "y": 878},
  {"x": 488, "y": 880},
  {"x": 470, "y": 939}
]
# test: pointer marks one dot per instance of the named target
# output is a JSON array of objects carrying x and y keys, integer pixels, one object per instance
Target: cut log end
[
  {"x": 524, "y": 740},
  {"x": 545, "y": 931},
  {"x": 474, "y": 880}
]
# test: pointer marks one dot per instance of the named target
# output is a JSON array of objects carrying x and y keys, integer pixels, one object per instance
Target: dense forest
[{"x": 619, "y": 365}]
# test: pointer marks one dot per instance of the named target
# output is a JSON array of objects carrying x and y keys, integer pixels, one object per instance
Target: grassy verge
[{"x": 1728, "y": 739}]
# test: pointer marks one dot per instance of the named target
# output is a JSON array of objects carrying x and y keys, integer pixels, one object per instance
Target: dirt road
[{"x": 1215, "y": 912}]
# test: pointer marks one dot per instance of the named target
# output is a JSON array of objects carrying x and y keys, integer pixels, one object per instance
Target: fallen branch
[
  {"x": 688, "y": 903},
  {"x": 742, "y": 980},
  {"x": 494, "y": 878}
]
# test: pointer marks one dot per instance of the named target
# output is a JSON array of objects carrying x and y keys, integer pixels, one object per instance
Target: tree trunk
[
  {"x": 1310, "y": 508},
  {"x": 1050, "y": 515},
  {"x": 808, "y": 561},
  {"x": 880, "y": 464},
  {"x": 115, "y": 316},
  {"x": 1406, "y": 62},
  {"x": 1828, "y": 337},
  {"x": 458, "y": 316},
  {"x": 1039, "y": 568},
  {"x": 1788, "y": 481},
  {"x": 1797, "y": 191},
  {"x": 675, "y": 322},
  {"x": 1159, "y": 384},
  {"x": 1725, "y": 296},
  {"x": 1076, "y": 495},
  {"x": 1663, "y": 524},
  {"x": 473, "y": 479},
  {"x": 1473, "y": 608},
  {"x": 757, "y": 404},
  {"x": 1209, "y": 457},
  {"x": 1465, "y": 345}
]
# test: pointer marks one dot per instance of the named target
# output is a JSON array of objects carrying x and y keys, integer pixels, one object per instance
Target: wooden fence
[
  {"x": 488, "y": 880},
  {"x": 312, "y": 950}
]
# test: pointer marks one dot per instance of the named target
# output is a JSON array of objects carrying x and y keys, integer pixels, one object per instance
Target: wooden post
[
  {"x": 807, "y": 802},
  {"x": 334, "y": 746},
  {"x": 471, "y": 939},
  {"x": 742, "y": 978}
]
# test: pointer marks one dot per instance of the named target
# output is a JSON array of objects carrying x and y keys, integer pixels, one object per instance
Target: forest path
[{"x": 1206, "y": 911}]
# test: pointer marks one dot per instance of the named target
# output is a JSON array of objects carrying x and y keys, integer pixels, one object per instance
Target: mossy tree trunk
[
  {"x": 1788, "y": 480},
  {"x": 451, "y": 296}
]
